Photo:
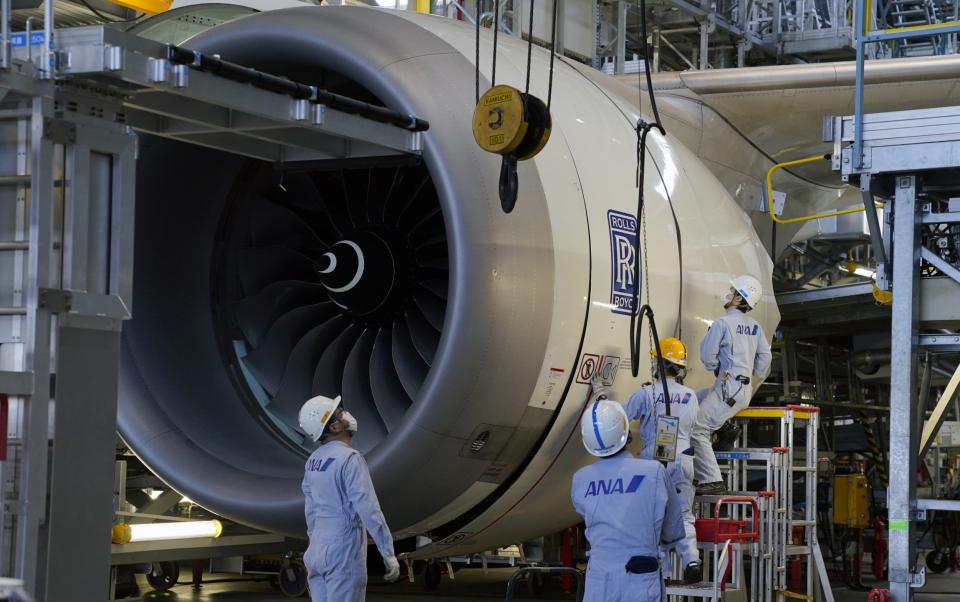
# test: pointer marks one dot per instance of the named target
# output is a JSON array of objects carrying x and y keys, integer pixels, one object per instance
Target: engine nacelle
[{"x": 465, "y": 343}]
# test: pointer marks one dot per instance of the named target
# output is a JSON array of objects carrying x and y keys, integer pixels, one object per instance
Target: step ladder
[{"x": 754, "y": 528}]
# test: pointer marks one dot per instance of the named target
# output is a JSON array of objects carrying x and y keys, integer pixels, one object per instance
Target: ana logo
[
  {"x": 623, "y": 238},
  {"x": 741, "y": 329},
  {"x": 610, "y": 486},
  {"x": 319, "y": 464},
  {"x": 675, "y": 398}
]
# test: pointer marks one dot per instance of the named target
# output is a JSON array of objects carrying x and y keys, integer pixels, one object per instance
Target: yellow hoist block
[
  {"x": 151, "y": 7},
  {"x": 508, "y": 122},
  {"x": 499, "y": 121},
  {"x": 851, "y": 501}
]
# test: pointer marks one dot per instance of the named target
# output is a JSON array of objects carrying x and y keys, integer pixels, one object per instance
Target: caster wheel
[
  {"x": 937, "y": 561},
  {"x": 163, "y": 575},
  {"x": 293, "y": 580}
]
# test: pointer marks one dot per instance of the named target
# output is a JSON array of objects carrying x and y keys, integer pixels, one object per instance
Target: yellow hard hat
[{"x": 673, "y": 350}]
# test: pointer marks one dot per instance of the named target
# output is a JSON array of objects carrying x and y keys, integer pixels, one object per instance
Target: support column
[
  {"x": 620, "y": 57},
  {"x": 81, "y": 487},
  {"x": 903, "y": 386}
]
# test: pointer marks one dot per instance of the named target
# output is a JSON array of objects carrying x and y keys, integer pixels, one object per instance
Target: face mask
[{"x": 350, "y": 420}]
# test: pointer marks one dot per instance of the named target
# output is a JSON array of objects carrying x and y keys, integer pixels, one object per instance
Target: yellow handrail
[
  {"x": 921, "y": 27},
  {"x": 805, "y": 218}
]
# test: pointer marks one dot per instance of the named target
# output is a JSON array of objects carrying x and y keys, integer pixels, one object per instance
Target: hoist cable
[
  {"x": 476, "y": 63},
  {"x": 526, "y": 89},
  {"x": 636, "y": 316},
  {"x": 647, "y": 311},
  {"x": 553, "y": 53},
  {"x": 496, "y": 32},
  {"x": 642, "y": 7}
]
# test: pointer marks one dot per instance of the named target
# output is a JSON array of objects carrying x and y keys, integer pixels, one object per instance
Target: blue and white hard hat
[{"x": 604, "y": 428}]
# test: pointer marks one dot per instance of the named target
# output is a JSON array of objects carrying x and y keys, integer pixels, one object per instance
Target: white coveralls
[
  {"x": 735, "y": 346},
  {"x": 630, "y": 508},
  {"x": 683, "y": 405},
  {"x": 340, "y": 502}
]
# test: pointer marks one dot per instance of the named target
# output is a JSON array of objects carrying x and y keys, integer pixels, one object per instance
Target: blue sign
[
  {"x": 19, "y": 40},
  {"x": 732, "y": 455},
  {"x": 623, "y": 244}
]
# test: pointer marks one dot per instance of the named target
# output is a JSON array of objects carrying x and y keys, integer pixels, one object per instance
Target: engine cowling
[{"x": 463, "y": 342}]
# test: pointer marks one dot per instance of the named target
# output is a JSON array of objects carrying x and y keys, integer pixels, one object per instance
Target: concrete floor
[{"x": 471, "y": 585}]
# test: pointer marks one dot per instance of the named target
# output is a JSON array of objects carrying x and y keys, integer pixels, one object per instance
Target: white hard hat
[
  {"x": 316, "y": 413},
  {"x": 604, "y": 427},
  {"x": 749, "y": 288}
]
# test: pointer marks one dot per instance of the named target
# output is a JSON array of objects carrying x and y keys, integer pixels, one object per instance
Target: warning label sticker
[{"x": 606, "y": 365}]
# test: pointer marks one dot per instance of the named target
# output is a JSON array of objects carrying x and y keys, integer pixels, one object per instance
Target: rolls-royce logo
[{"x": 623, "y": 237}]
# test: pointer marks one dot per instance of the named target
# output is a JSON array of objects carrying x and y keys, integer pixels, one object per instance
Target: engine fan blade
[
  {"x": 436, "y": 286},
  {"x": 328, "y": 376},
  {"x": 356, "y": 186},
  {"x": 381, "y": 187},
  {"x": 433, "y": 309},
  {"x": 300, "y": 193},
  {"x": 430, "y": 220},
  {"x": 259, "y": 266},
  {"x": 357, "y": 394},
  {"x": 424, "y": 337},
  {"x": 268, "y": 361},
  {"x": 389, "y": 395},
  {"x": 332, "y": 196},
  {"x": 297, "y": 384},
  {"x": 410, "y": 367},
  {"x": 407, "y": 197},
  {"x": 256, "y": 314},
  {"x": 274, "y": 224}
]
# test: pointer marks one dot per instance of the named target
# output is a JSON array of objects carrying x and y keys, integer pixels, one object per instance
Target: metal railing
[
  {"x": 48, "y": 56},
  {"x": 865, "y": 36}
]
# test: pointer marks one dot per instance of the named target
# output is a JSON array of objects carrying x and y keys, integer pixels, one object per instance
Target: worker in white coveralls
[
  {"x": 645, "y": 405},
  {"x": 341, "y": 506},
  {"x": 736, "y": 350},
  {"x": 630, "y": 508}
]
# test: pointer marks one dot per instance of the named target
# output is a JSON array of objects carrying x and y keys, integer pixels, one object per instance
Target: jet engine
[{"x": 462, "y": 338}]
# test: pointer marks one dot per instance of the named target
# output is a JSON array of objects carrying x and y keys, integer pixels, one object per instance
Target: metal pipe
[
  {"x": 29, "y": 34},
  {"x": 13, "y": 311},
  {"x": 810, "y": 75},
  {"x": 5, "y": 33},
  {"x": 14, "y": 245},
  {"x": 470, "y": 18},
  {"x": 664, "y": 39},
  {"x": 47, "y": 55},
  {"x": 14, "y": 180},
  {"x": 851, "y": 406},
  {"x": 281, "y": 85}
]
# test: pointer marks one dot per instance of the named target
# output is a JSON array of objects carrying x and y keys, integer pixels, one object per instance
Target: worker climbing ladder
[{"x": 754, "y": 543}]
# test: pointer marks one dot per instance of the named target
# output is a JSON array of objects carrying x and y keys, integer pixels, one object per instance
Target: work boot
[
  {"x": 693, "y": 573},
  {"x": 714, "y": 488}
]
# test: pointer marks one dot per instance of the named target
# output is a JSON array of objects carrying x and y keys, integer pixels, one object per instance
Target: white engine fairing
[{"x": 531, "y": 295}]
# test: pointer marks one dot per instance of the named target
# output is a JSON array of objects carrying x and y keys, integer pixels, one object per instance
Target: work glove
[
  {"x": 393, "y": 569},
  {"x": 600, "y": 390}
]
